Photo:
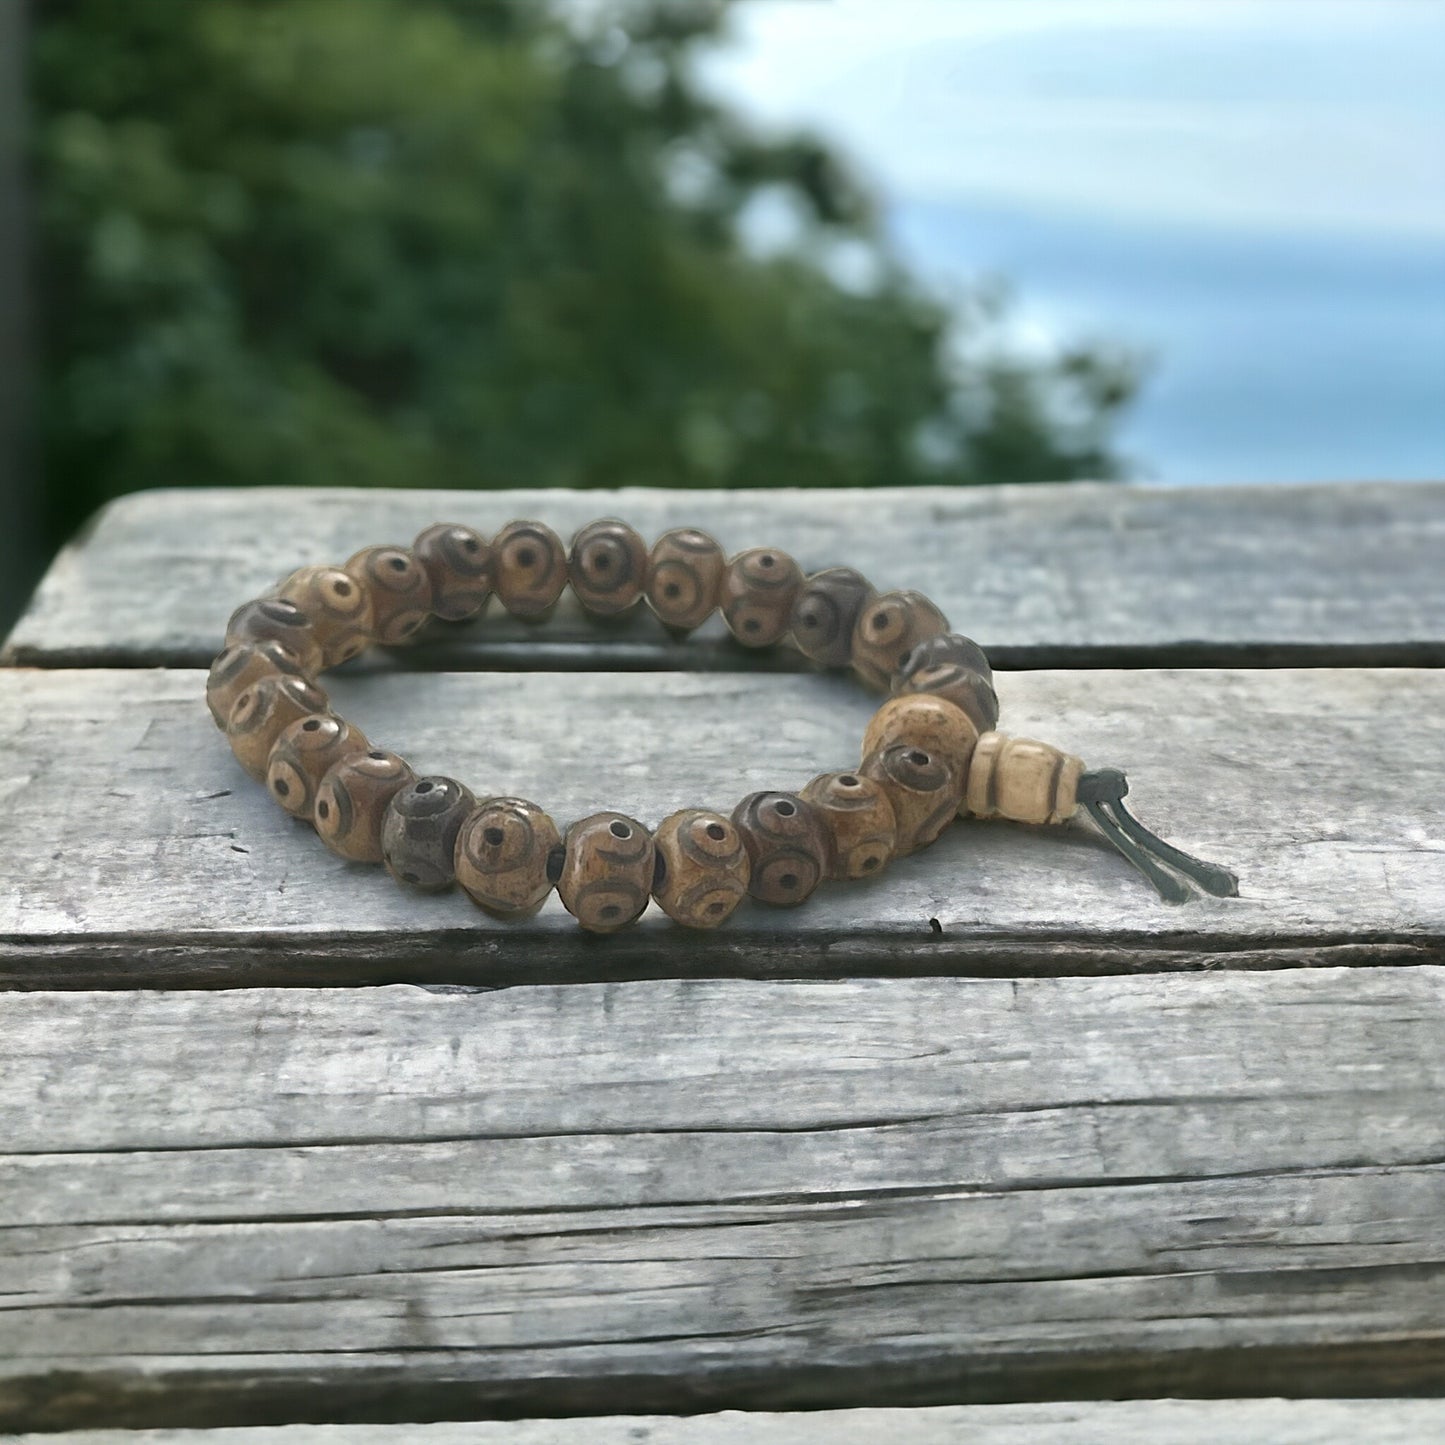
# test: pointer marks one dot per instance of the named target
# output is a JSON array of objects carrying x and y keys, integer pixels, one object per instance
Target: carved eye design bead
[
  {"x": 303, "y": 753},
  {"x": 888, "y": 629},
  {"x": 826, "y": 613},
  {"x": 351, "y": 802},
  {"x": 458, "y": 563},
  {"x": 953, "y": 667},
  {"x": 758, "y": 592},
  {"x": 276, "y": 619},
  {"x": 339, "y": 608},
  {"x": 419, "y": 831},
  {"x": 923, "y": 790},
  {"x": 606, "y": 876},
  {"x": 924, "y": 721},
  {"x": 400, "y": 591},
  {"x": 788, "y": 845},
  {"x": 531, "y": 568},
  {"x": 685, "y": 578},
  {"x": 702, "y": 870},
  {"x": 859, "y": 817},
  {"x": 504, "y": 856},
  {"x": 241, "y": 664},
  {"x": 607, "y": 566},
  {"x": 1019, "y": 778},
  {"x": 263, "y": 712}
]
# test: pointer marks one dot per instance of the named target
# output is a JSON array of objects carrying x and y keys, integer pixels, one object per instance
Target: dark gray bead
[{"x": 419, "y": 834}]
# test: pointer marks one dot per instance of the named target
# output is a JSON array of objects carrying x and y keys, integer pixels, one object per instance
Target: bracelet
[{"x": 929, "y": 754}]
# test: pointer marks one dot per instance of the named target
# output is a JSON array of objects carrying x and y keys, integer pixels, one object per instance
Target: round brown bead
[
  {"x": 702, "y": 869},
  {"x": 241, "y": 664},
  {"x": 826, "y": 613},
  {"x": 419, "y": 831},
  {"x": 276, "y": 619},
  {"x": 685, "y": 578},
  {"x": 263, "y": 712},
  {"x": 504, "y": 855},
  {"x": 789, "y": 847},
  {"x": 607, "y": 566},
  {"x": 530, "y": 568},
  {"x": 607, "y": 872},
  {"x": 303, "y": 753},
  {"x": 339, "y": 608},
  {"x": 888, "y": 629},
  {"x": 925, "y": 721},
  {"x": 859, "y": 818},
  {"x": 351, "y": 802},
  {"x": 953, "y": 667},
  {"x": 923, "y": 790},
  {"x": 458, "y": 563},
  {"x": 400, "y": 591},
  {"x": 758, "y": 592}
]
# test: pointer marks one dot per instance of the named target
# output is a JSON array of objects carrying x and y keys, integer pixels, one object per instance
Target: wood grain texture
[
  {"x": 1075, "y": 575},
  {"x": 1321, "y": 789},
  {"x": 299, "y": 1204}
]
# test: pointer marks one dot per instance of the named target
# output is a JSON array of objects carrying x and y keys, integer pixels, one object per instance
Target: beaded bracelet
[{"x": 930, "y": 753}]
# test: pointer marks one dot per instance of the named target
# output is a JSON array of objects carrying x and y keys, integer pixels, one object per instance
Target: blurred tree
[{"x": 481, "y": 243}]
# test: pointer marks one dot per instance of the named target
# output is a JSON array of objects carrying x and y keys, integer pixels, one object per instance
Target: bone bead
[
  {"x": 888, "y": 629},
  {"x": 953, "y": 667},
  {"x": 530, "y": 568},
  {"x": 859, "y": 819},
  {"x": 923, "y": 790},
  {"x": 504, "y": 856},
  {"x": 263, "y": 712},
  {"x": 419, "y": 831},
  {"x": 1018, "y": 778},
  {"x": 239, "y": 666},
  {"x": 607, "y": 566},
  {"x": 303, "y": 753},
  {"x": 924, "y": 721},
  {"x": 351, "y": 802},
  {"x": 276, "y": 619},
  {"x": 458, "y": 564},
  {"x": 758, "y": 592},
  {"x": 339, "y": 608},
  {"x": 606, "y": 874},
  {"x": 685, "y": 578},
  {"x": 826, "y": 613},
  {"x": 701, "y": 870},
  {"x": 788, "y": 844},
  {"x": 400, "y": 591}
]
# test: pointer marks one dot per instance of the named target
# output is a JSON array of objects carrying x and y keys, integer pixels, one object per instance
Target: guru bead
[
  {"x": 1021, "y": 779},
  {"x": 685, "y": 578},
  {"x": 276, "y": 619},
  {"x": 419, "y": 831},
  {"x": 701, "y": 870},
  {"x": 922, "y": 789},
  {"x": 607, "y": 566},
  {"x": 888, "y": 629},
  {"x": 954, "y": 667},
  {"x": 351, "y": 802},
  {"x": 606, "y": 876},
  {"x": 263, "y": 712},
  {"x": 927, "y": 722},
  {"x": 458, "y": 564},
  {"x": 826, "y": 613},
  {"x": 400, "y": 591},
  {"x": 504, "y": 856},
  {"x": 530, "y": 568},
  {"x": 789, "y": 848},
  {"x": 303, "y": 753},
  {"x": 758, "y": 592},
  {"x": 339, "y": 608},
  {"x": 239, "y": 666},
  {"x": 859, "y": 818}
]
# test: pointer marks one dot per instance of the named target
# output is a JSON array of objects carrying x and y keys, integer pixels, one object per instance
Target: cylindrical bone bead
[
  {"x": 530, "y": 568},
  {"x": 504, "y": 856},
  {"x": 339, "y": 608},
  {"x": 263, "y": 712},
  {"x": 419, "y": 832},
  {"x": 888, "y": 629},
  {"x": 400, "y": 591},
  {"x": 859, "y": 817},
  {"x": 789, "y": 847},
  {"x": 606, "y": 876},
  {"x": 923, "y": 790},
  {"x": 607, "y": 566},
  {"x": 826, "y": 613},
  {"x": 701, "y": 870},
  {"x": 758, "y": 592},
  {"x": 924, "y": 721},
  {"x": 685, "y": 578},
  {"x": 241, "y": 664},
  {"x": 277, "y": 619},
  {"x": 953, "y": 667},
  {"x": 1018, "y": 778},
  {"x": 351, "y": 802},
  {"x": 458, "y": 564},
  {"x": 303, "y": 753}
]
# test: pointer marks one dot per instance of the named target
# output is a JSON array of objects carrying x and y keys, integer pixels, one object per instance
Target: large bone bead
[
  {"x": 888, "y": 629},
  {"x": 788, "y": 844},
  {"x": 859, "y": 818},
  {"x": 419, "y": 832},
  {"x": 922, "y": 789},
  {"x": 263, "y": 712},
  {"x": 505, "y": 856},
  {"x": 276, "y": 619},
  {"x": 606, "y": 876},
  {"x": 701, "y": 871},
  {"x": 530, "y": 568},
  {"x": 607, "y": 566},
  {"x": 241, "y": 664},
  {"x": 758, "y": 592},
  {"x": 458, "y": 564},
  {"x": 339, "y": 608},
  {"x": 954, "y": 667},
  {"x": 351, "y": 802},
  {"x": 1018, "y": 778},
  {"x": 826, "y": 613},
  {"x": 685, "y": 575},
  {"x": 400, "y": 591},
  {"x": 924, "y": 721},
  {"x": 303, "y": 753}
]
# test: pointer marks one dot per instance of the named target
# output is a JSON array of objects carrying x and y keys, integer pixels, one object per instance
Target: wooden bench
[{"x": 281, "y": 1143}]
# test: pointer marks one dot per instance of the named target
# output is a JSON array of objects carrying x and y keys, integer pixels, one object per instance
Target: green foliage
[{"x": 432, "y": 242}]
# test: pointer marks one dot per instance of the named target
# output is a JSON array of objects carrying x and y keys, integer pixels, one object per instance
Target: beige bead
[
  {"x": 301, "y": 756},
  {"x": 926, "y": 722},
  {"x": 888, "y": 629},
  {"x": 685, "y": 578},
  {"x": 701, "y": 871},
  {"x": 339, "y": 608},
  {"x": 606, "y": 876},
  {"x": 400, "y": 591},
  {"x": 263, "y": 712},
  {"x": 508, "y": 856},
  {"x": 1019, "y": 778},
  {"x": 239, "y": 666},
  {"x": 923, "y": 790},
  {"x": 275, "y": 619},
  {"x": 351, "y": 802},
  {"x": 859, "y": 818},
  {"x": 826, "y": 614},
  {"x": 758, "y": 592},
  {"x": 458, "y": 562},
  {"x": 530, "y": 565},
  {"x": 789, "y": 846},
  {"x": 607, "y": 567}
]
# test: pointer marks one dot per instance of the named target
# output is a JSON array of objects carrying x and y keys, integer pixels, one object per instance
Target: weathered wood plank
[
  {"x": 137, "y": 853},
  {"x": 275, "y": 1205},
  {"x": 1076, "y": 575}
]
